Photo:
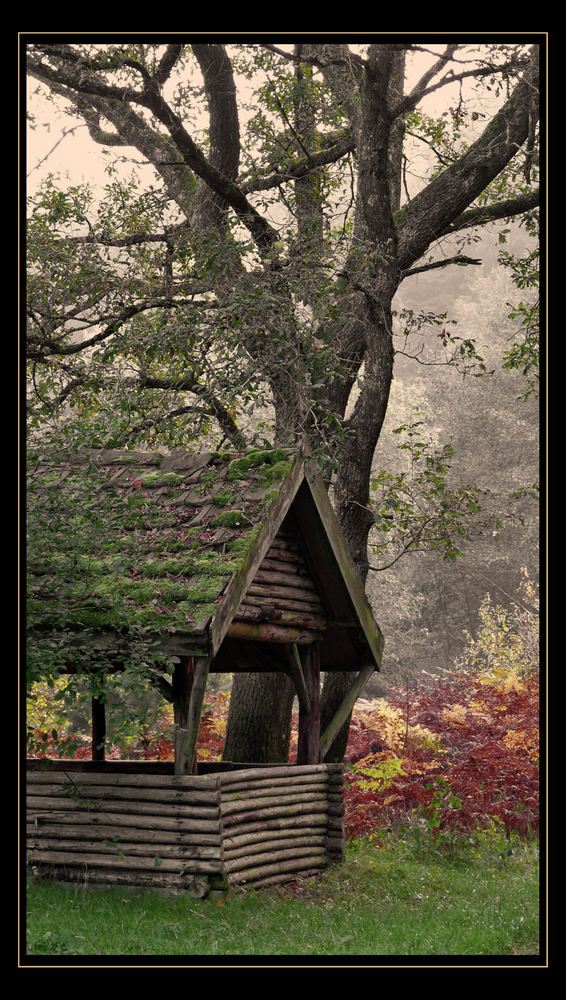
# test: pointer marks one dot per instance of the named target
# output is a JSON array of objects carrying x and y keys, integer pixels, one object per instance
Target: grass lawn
[{"x": 410, "y": 896}]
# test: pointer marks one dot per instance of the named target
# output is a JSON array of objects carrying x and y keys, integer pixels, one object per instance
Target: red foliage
[{"x": 484, "y": 765}]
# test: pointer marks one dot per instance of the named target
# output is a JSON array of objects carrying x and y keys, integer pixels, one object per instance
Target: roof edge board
[
  {"x": 351, "y": 579},
  {"x": 242, "y": 579}
]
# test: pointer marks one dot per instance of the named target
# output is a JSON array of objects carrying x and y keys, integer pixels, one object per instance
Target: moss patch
[
  {"x": 154, "y": 479},
  {"x": 231, "y": 519}
]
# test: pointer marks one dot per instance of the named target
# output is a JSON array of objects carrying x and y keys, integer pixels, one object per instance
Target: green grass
[{"x": 404, "y": 898}]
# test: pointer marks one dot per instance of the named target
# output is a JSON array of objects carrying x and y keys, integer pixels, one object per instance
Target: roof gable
[{"x": 172, "y": 543}]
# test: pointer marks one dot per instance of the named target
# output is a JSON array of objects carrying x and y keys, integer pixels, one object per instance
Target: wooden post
[
  {"x": 298, "y": 678},
  {"x": 98, "y": 729},
  {"x": 189, "y": 684},
  {"x": 195, "y": 708},
  {"x": 342, "y": 713},
  {"x": 308, "y": 747},
  {"x": 183, "y": 676}
]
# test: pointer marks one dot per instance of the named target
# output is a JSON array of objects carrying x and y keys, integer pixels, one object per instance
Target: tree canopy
[{"x": 244, "y": 293}]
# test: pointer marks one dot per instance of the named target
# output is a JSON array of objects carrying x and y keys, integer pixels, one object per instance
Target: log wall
[
  {"x": 247, "y": 826},
  {"x": 281, "y": 598}
]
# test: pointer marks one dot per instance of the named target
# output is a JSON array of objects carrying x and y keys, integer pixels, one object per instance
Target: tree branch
[
  {"x": 458, "y": 259},
  {"x": 434, "y": 211}
]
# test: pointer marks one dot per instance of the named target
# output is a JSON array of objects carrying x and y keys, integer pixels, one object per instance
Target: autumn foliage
[{"x": 458, "y": 753}]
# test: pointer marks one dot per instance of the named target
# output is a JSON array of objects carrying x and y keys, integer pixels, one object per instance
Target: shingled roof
[{"x": 172, "y": 543}]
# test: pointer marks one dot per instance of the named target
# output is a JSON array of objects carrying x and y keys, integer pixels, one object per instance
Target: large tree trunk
[{"x": 259, "y": 723}]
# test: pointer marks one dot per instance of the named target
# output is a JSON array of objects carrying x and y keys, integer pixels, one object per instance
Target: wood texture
[{"x": 253, "y": 826}]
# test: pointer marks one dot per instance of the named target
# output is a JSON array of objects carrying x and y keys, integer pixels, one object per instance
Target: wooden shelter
[{"x": 229, "y": 563}]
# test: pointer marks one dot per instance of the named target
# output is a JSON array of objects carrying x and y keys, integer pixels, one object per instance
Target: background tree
[{"x": 259, "y": 269}]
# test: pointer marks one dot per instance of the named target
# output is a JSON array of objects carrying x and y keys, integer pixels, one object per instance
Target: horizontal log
[
  {"x": 285, "y": 543},
  {"x": 73, "y": 859},
  {"x": 263, "y": 847},
  {"x": 313, "y": 782},
  {"x": 119, "y": 825},
  {"x": 56, "y": 771},
  {"x": 242, "y": 841},
  {"x": 290, "y": 868},
  {"x": 280, "y": 811},
  {"x": 125, "y": 848},
  {"x": 314, "y": 820},
  {"x": 271, "y": 633},
  {"x": 69, "y": 831},
  {"x": 292, "y": 564},
  {"x": 141, "y": 810},
  {"x": 271, "y": 857},
  {"x": 249, "y": 803},
  {"x": 271, "y": 880},
  {"x": 196, "y": 886},
  {"x": 262, "y": 773},
  {"x": 286, "y": 579},
  {"x": 261, "y": 589},
  {"x": 269, "y": 603},
  {"x": 104, "y": 793},
  {"x": 299, "y": 619}
]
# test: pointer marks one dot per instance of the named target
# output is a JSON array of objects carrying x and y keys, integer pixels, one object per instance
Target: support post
[
  {"x": 348, "y": 702},
  {"x": 182, "y": 686},
  {"x": 98, "y": 729},
  {"x": 308, "y": 746},
  {"x": 298, "y": 678},
  {"x": 189, "y": 685},
  {"x": 202, "y": 664}
]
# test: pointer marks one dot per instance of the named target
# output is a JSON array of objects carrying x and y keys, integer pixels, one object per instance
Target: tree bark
[{"x": 258, "y": 730}]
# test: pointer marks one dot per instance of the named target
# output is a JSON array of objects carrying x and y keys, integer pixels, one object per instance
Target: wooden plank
[
  {"x": 330, "y": 563},
  {"x": 189, "y": 684},
  {"x": 195, "y": 711},
  {"x": 182, "y": 684},
  {"x": 338, "y": 720}
]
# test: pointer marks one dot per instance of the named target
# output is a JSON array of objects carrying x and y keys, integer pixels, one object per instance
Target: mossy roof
[
  {"x": 170, "y": 543},
  {"x": 138, "y": 538}
]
